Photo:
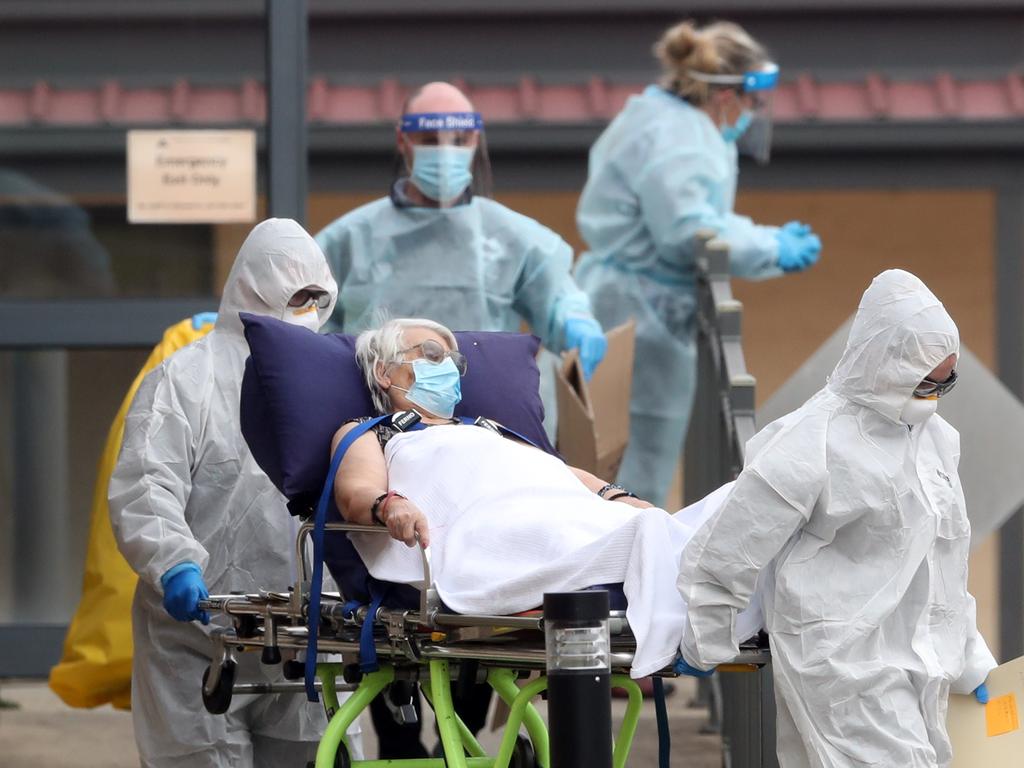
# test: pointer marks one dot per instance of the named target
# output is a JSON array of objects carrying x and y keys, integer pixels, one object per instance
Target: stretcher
[{"x": 422, "y": 644}]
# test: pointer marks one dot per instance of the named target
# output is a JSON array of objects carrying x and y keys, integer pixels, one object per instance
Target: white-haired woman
[
  {"x": 505, "y": 522},
  {"x": 414, "y": 364},
  {"x": 410, "y": 364}
]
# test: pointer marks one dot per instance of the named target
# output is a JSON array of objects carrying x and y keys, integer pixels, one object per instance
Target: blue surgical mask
[
  {"x": 442, "y": 173},
  {"x": 437, "y": 388},
  {"x": 732, "y": 133}
]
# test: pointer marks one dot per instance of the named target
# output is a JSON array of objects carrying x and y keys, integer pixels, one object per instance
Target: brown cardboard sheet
[
  {"x": 593, "y": 416},
  {"x": 990, "y": 736}
]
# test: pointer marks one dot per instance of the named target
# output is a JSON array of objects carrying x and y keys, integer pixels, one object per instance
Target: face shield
[
  {"x": 756, "y": 90},
  {"x": 443, "y": 159}
]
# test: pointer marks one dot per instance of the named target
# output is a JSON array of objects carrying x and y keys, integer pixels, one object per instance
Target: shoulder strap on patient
[
  {"x": 495, "y": 426},
  {"x": 320, "y": 519}
]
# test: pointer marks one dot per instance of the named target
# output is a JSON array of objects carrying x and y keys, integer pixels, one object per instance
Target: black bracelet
[
  {"x": 376, "y": 506},
  {"x": 620, "y": 495},
  {"x": 609, "y": 487}
]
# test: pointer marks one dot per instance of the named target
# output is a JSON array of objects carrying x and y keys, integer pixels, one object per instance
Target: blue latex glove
[
  {"x": 682, "y": 668},
  {"x": 585, "y": 334},
  {"x": 203, "y": 318},
  {"x": 981, "y": 694},
  {"x": 799, "y": 247},
  {"x": 183, "y": 589}
]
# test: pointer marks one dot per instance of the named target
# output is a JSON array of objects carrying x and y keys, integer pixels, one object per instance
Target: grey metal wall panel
[
  {"x": 417, "y": 40},
  {"x": 93, "y": 323},
  {"x": 29, "y": 650}
]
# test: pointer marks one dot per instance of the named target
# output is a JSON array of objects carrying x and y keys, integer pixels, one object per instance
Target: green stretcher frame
[{"x": 461, "y": 748}]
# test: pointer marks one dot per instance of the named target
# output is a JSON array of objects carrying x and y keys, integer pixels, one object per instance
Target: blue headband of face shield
[
  {"x": 763, "y": 79},
  {"x": 419, "y": 122}
]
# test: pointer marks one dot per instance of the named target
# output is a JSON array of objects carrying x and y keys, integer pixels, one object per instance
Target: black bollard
[{"x": 579, "y": 679}]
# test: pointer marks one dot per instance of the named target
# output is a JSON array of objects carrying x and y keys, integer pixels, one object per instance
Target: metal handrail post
[{"x": 722, "y": 423}]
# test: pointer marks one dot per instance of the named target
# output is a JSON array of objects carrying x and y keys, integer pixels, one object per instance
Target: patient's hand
[
  {"x": 405, "y": 522},
  {"x": 638, "y": 503}
]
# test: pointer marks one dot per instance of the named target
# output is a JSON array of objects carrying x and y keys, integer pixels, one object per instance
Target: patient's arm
[
  {"x": 362, "y": 478},
  {"x": 595, "y": 484}
]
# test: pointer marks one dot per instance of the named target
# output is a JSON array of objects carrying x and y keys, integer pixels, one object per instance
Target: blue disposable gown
[
  {"x": 659, "y": 174},
  {"x": 477, "y": 266}
]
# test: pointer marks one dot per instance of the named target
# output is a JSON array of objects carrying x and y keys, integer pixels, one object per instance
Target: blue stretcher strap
[
  {"x": 316, "y": 583},
  {"x": 475, "y": 423},
  {"x": 505, "y": 431},
  {"x": 661, "y": 713},
  {"x": 367, "y": 648}
]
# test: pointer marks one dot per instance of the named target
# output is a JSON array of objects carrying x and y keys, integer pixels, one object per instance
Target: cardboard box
[
  {"x": 593, "y": 416},
  {"x": 990, "y": 736}
]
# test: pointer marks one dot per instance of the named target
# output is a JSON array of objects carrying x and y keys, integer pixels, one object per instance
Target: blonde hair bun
[
  {"x": 683, "y": 46},
  {"x": 720, "y": 48}
]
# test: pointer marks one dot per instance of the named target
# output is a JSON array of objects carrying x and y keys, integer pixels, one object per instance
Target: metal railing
[{"x": 742, "y": 705}]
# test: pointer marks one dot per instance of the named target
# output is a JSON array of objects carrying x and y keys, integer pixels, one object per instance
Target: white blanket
[{"x": 508, "y": 523}]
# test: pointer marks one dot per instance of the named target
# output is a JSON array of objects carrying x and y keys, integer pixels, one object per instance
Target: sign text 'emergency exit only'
[{"x": 191, "y": 177}]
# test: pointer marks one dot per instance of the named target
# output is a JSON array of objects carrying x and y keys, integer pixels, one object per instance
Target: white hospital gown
[{"x": 509, "y": 522}]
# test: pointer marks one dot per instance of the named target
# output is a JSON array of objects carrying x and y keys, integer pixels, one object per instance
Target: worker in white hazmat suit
[
  {"x": 853, "y": 509},
  {"x": 193, "y": 514}
]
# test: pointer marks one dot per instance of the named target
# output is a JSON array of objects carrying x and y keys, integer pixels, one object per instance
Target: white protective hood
[
  {"x": 900, "y": 333},
  {"x": 277, "y": 259}
]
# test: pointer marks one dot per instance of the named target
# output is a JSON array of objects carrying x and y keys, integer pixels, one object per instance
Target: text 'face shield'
[{"x": 445, "y": 157}]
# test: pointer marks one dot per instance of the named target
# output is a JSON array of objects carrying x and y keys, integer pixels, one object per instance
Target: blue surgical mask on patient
[
  {"x": 438, "y": 386},
  {"x": 442, "y": 173}
]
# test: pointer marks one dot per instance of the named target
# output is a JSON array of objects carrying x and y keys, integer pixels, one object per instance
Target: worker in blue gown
[
  {"x": 438, "y": 247},
  {"x": 664, "y": 170}
]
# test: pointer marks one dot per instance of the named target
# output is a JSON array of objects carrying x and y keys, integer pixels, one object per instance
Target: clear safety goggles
[
  {"x": 433, "y": 352},
  {"x": 443, "y": 156},
  {"x": 928, "y": 388},
  {"x": 307, "y": 296},
  {"x": 756, "y": 89}
]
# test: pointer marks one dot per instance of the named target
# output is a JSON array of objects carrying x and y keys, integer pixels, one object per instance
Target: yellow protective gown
[{"x": 96, "y": 667}]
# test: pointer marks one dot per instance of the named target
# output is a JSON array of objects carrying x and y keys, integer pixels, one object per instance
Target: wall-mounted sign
[{"x": 191, "y": 177}]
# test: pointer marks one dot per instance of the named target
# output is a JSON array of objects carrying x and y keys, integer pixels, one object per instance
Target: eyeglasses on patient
[
  {"x": 929, "y": 388},
  {"x": 433, "y": 352}
]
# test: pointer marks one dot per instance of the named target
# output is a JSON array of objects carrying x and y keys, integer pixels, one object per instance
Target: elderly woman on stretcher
[{"x": 504, "y": 521}]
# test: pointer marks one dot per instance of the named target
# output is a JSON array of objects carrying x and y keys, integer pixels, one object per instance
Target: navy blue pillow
[{"x": 299, "y": 387}]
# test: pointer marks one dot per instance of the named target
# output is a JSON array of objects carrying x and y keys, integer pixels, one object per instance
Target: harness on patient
[{"x": 403, "y": 421}]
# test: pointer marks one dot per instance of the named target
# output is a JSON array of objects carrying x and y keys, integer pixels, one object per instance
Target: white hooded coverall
[
  {"x": 859, "y": 524},
  {"x": 186, "y": 488}
]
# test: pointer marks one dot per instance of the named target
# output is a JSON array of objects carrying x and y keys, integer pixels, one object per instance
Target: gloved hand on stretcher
[
  {"x": 183, "y": 589},
  {"x": 682, "y": 668}
]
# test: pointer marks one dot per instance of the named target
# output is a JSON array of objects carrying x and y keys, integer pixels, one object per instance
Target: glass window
[{"x": 56, "y": 408}]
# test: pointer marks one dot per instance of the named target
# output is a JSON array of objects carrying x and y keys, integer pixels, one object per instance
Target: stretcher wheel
[
  {"x": 523, "y": 755},
  {"x": 218, "y": 702}
]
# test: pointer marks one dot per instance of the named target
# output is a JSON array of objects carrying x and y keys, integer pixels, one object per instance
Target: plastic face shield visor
[
  {"x": 758, "y": 89},
  {"x": 445, "y": 156}
]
